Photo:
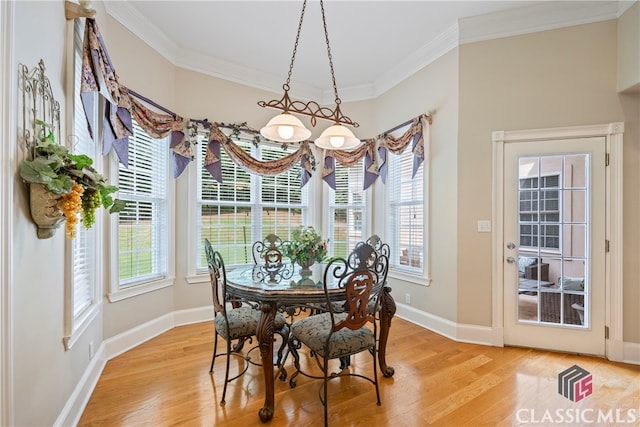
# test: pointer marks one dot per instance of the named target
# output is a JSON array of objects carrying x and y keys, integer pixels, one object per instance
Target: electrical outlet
[
  {"x": 407, "y": 298},
  {"x": 91, "y": 350}
]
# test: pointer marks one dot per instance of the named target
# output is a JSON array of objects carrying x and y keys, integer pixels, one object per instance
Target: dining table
[{"x": 285, "y": 289}]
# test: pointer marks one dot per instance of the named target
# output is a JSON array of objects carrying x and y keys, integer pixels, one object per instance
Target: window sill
[
  {"x": 136, "y": 290},
  {"x": 81, "y": 326},
  {"x": 411, "y": 278},
  {"x": 198, "y": 278}
]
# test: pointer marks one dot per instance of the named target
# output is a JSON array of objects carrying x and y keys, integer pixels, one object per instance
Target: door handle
[{"x": 511, "y": 260}]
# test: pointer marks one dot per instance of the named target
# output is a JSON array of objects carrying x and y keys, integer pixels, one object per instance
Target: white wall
[{"x": 44, "y": 374}]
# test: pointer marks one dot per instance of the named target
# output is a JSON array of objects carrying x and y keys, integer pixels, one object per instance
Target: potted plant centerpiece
[
  {"x": 305, "y": 248},
  {"x": 64, "y": 186}
]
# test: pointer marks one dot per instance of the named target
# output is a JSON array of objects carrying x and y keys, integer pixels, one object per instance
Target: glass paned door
[{"x": 554, "y": 237}]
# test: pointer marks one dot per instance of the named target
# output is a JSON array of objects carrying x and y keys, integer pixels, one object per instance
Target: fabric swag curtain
[
  {"x": 375, "y": 151},
  {"x": 99, "y": 75},
  {"x": 122, "y": 106}
]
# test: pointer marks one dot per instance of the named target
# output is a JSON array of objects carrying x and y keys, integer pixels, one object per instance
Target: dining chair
[
  {"x": 267, "y": 254},
  {"x": 380, "y": 248},
  {"x": 234, "y": 319},
  {"x": 332, "y": 335}
]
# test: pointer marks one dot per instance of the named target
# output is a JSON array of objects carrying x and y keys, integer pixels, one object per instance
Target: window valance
[
  {"x": 99, "y": 76},
  {"x": 375, "y": 151},
  {"x": 122, "y": 104}
]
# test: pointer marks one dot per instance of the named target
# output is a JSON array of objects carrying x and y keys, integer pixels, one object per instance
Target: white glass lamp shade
[
  {"x": 285, "y": 127},
  {"x": 337, "y": 137}
]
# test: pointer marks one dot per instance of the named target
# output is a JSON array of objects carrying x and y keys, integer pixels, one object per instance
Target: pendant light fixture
[{"x": 285, "y": 127}]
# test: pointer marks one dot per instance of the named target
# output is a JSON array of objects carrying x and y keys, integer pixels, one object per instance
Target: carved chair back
[
  {"x": 361, "y": 275},
  {"x": 217, "y": 273}
]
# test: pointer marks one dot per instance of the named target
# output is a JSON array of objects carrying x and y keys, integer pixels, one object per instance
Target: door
[{"x": 554, "y": 244}]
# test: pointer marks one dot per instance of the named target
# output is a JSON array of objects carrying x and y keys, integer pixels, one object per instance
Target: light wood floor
[{"x": 166, "y": 382}]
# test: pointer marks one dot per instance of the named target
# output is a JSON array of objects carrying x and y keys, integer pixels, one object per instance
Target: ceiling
[{"x": 374, "y": 44}]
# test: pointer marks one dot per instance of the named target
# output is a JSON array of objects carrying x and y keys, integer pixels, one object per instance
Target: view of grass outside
[
  {"x": 135, "y": 249},
  {"x": 230, "y": 233}
]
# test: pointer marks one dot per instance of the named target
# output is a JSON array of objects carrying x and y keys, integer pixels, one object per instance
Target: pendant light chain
[
  {"x": 275, "y": 129},
  {"x": 295, "y": 46},
  {"x": 326, "y": 37}
]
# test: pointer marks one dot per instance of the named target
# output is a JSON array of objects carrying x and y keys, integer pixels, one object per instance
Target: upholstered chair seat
[{"x": 313, "y": 332}]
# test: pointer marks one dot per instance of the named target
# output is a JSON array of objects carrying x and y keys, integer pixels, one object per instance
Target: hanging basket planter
[{"x": 45, "y": 210}]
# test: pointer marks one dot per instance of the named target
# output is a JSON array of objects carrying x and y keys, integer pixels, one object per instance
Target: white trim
[
  {"x": 77, "y": 402},
  {"x": 136, "y": 290},
  {"x": 630, "y": 352},
  {"x": 540, "y": 16},
  {"x": 428, "y": 53},
  {"x": 614, "y": 261},
  {"x": 8, "y": 120},
  {"x": 613, "y": 132},
  {"x": 83, "y": 323},
  {"x": 410, "y": 278}
]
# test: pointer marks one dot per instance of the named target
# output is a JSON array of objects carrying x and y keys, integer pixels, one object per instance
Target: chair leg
[
  {"x": 226, "y": 374},
  {"x": 284, "y": 333},
  {"x": 215, "y": 349},
  {"x": 375, "y": 374},
  {"x": 325, "y": 368},
  {"x": 294, "y": 345}
]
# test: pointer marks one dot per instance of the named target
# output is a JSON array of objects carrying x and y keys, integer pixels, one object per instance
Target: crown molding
[
  {"x": 537, "y": 17},
  {"x": 542, "y": 16},
  {"x": 434, "y": 49},
  {"x": 140, "y": 26}
]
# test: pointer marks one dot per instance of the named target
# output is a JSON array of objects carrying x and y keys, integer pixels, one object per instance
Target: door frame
[{"x": 613, "y": 133}]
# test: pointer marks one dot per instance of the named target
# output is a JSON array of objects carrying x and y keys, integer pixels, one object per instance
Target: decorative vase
[
  {"x": 44, "y": 210},
  {"x": 305, "y": 270}
]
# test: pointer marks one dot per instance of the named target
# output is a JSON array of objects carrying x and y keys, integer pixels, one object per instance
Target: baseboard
[
  {"x": 117, "y": 345},
  {"x": 112, "y": 347},
  {"x": 73, "y": 409},
  {"x": 631, "y": 353},
  {"x": 473, "y": 334}
]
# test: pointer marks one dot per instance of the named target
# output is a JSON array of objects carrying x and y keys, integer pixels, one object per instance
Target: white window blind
[
  {"x": 82, "y": 252},
  {"x": 347, "y": 204},
  {"x": 142, "y": 226},
  {"x": 245, "y": 207},
  {"x": 84, "y": 245},
  {"x": 406, "y": 219}
]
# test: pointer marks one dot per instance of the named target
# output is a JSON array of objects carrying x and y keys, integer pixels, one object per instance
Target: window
[
  {"x": 143, "y": 230},
  {"x": 81, "y": 284},
  {"x": 540, "y": 224},
  {"x": 406, "y": 214},
  {"x": 347, "y": 204},
  {"x": 245, "y": 207}
]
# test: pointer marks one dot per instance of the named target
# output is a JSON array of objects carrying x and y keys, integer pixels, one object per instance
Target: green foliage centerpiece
[{"x": 305, "y": 248}]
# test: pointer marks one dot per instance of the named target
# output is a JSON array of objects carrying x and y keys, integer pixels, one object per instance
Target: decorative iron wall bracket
[
  {"x": 38, "y": 105},
  {"x": 39, "y": 111}
]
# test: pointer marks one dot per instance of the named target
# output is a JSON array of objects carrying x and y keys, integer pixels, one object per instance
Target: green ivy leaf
[
  {"x": 118, "y": 206},
  {"x": 60, "y": 185},
  {"x": 81, "y": 160}
]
